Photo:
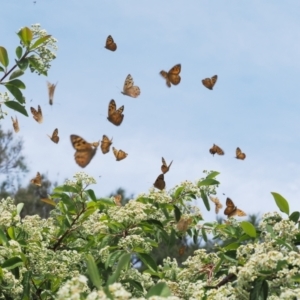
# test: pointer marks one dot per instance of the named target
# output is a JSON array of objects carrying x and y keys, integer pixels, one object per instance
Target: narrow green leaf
[
  {"x": 294, "y": 216},
  {"x": 17, "y": 83},
  {"x": 135, "y": 284},
  {"x": 123, "y": 264},
  {"x": 65, "y": 188},
  {"x": 205, "y": 200},
  {"x": 25, "y": 35},
  {"x": 232, "y": 246},
  {"x": 40, "y": 41},
  {"x": 11, "y": 233},
  {"x": 161, "y": 289},
  {"x": 16, "y": 106},
  {"x": 177, "y": 213},
  {"x": 12, "y": 263},
  {"x": 26, "y": 285},
  {"x": 3, "y": 238},
  {"x": 49, "y": 201},
  {"x": 204, "y": 235},
  {"x": 91, "y": 194},
  {"x": 19, "y": 51},
  {"x": 16, "y": 74},
  {"x": 93, "y": 271},
  {"x": 282, "y": 204},
  {"x": 212, "y": 175},
  {"x": 20, "y": 207},
  {"x": 15, "y": 92},
  {"x": 178, "y": 192},
  {"x": 248, "y": 228},
  {"x": 113, "y": 257},
  {"x": 3, "y": 57},
  {"x": 148, "y": 261}
]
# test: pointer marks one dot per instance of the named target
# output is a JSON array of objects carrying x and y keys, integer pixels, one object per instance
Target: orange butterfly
[
  {"x": 37, "y": 115},
  {"x": 216, "y": 201},
  {"x": 181, "y": 250},
  {"x": 55, "y": 137},
  {"x": 51, "y": 89},
  {"x": 210, "y": 82},
  {"x": 160, "y": 182},
  {"x": 172, "y": 76},
  {"x": 216, "y": 149},
  {"x": 165, "y": 168},
  {"x": 115, "y": 116},
  {"x": 118, "y": 200},
  {"x": 119, "y": 154},
  {"x": 37, "y": 180},
  {"x": 15, "y": 124},
  {"x": 105, "y": 144},
  {"x": 240, "y": 154},
  {"x": 184, "y": 223},
  {"x": 84, "y": 151},
  {"x": 129, "y": 89},
  {"x": 231, "y": 210},
  {"x": 110, "y": 44}
]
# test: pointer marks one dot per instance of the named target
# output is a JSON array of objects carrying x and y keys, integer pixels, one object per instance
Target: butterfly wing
[
  {"x": 129, "y": 89},
  {"x": 37, "y": 114},
  {"x": 230, "y": 208},
  {"x": 15, "y": 124},
  {"x": 55, "y": 137},
  {"x": 165, "y": 168},
  {"x": 240, "y": 154},
  {"x": 37, "y": 180},
  {"x": 173, "y": 74},
  {"x": 183, "y": 224},
  {"x": 115, "y": 116},
  {"x": 118, "y": 200},
  {"x": 160, "y": 182},
  {"x": 181, "y": 250},
  {"x": 210, "y": 82},
  {"x": 105, "y": 144},
  {"x": 217, "y": 203},
  {"x": 164, "y": 74},
  {"x": 51, "y": 89},
  {"x": 110, "y": 44}
]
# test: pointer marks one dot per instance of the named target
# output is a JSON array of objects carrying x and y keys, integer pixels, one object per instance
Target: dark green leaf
[
  {"x": 3, "y": 238},
  {"x": 91, "y": 194},
  {"x": 3, "y": 57},
  {"x": 123, "y": 264},
  {"x": 148, "y": 261},
  {"x": 93, "y": 271},
  {"x": 25, "y": 35},
  {"x": 208, "y": 181},
  {"x": 294, "y": 216},
  {"x": 248, "y": 228},
  {"x": 16, "y": 106},
  {"x": 16, "y": 92},
  {"x": 1, "y": 69},
  {"x": 23, "y": 64},
  {"x": 16, "y": 74},
  {"x": 135, "y": 284},
  {"x": 177, "y": 213},
  {"x": 19, "y": 51},
  {"x": 113, "y": 257},
  {"x": 282, "y": 204},
  {"x": 204, "y": 235},
  {"x": 212, "y": 174},
  {"x": 40, "y": 41},
  {"x": 259, "y": 290},
  {"x": 26, "y": 285},
  {"x": 205, "y": 200},
  {"x": 17, "y": 83},
  {"x": 12, "y": 263},
  {"x": 161, "y": 289},
  {"x": 172, "y": 238}
]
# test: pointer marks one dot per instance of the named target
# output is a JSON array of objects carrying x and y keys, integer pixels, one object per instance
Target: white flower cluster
[
  {"x": 81, "y": 178},
  {"x": 8, "y": 213}
]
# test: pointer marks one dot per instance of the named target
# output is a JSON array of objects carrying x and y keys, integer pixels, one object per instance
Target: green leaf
[
  {"x": 296, "y": 278},
  {"x": 148, "y": 261},
  {"x": 12, "y": 263},
  {"x": 1, "y": 69},
  {"x": 3, "y": 238},
  {"x": 204, "y": 235},
  {"x": 49, "y": 201},
  {"x": 23, "y": 64},
  {"x": 15, "y": 92},
  {"x": 294, "y": 216},
  {"x": 93, "y": 271},
  {"x": 260, "y": 290},
  {"x": 40, "y": 41},
  {"x": 177, "y": 213},
  {"x": 11, "y": 233},
  {"x": 19, "y": 51},
  {"x": 16, "y": 106},
  {"x": 25, "y": 35},
  {"x": 65, "y": 188},
  {"x": 91, "y": 194},
  {"x": 113, "y": 257},
  {"x": 3, "y": 57},
  {"x": 205, "y": 200},
  {"x": 282, "y": 204},
  {"x": 248, "y": 228},
  {"x": 17, "y": 83},
  {"x": 123, "y": 264},
  {"x": 208, "y": 181},
  {"x": 16, "y": 74},
  {"x": 212, "y": 174},
  {"x": 26, "y": 285},
  {"x": 20, "y": 207},
  {"x": 161, "y": 289},
  {"x": 135, "y": 284},
  {"x": 178, "y": 192}
]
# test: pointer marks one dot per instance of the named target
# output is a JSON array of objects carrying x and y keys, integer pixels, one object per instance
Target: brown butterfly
[
  {"x": 240, "y": 154},
  {"x": 165, "y": 168},
  {"x": 210, "y": 82},
  {"x": 217, "y": 202},
  {"x": 84, "y": 150},
  {"x": 15, "y": 124},
  {"x": 160, "y": 182},
  {"x": 115, "y": 115},
  {"x": 119, "y": 154},
  {"x": 231, "y": 210},
  {"x": 105, "y": 144},
  {"x": 181, "y": 250},
  {"x": 216, "y": 149},
  {"x": 118, "y": 200},
  {"x": 172, "y": 76},
  {"x": 37, "y": 180},
  {"x": 184, "y": 223},
  {"x": 110, "y": 44},
  {"x": 129, "y": 89},
  {"x": 37, "y": 115},
  {"x": 54, "y": 138},
  {"x": 51, "y": 89}
]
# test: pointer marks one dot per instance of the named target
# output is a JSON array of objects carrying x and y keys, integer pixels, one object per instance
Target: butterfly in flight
[
  {"x": 15, "y": 124},
  {"x": 105, "y": 144},
  {"x": 231, "y": 210},
  {"x": 37, "y": 114},
  {"x": 172, "y": 76},
  {"x": 216, "y": 149},
  {"x": 84, "y": 151},
  {"x": 165, "y": 168},
  {"x": 184, "y": 223},
  {"x": 210, "y": 82},
  {"x": 217, "y": 203},
  {"x": 118, "y": 200},
  {"x": 182, "y": 250},
  {"x": 51, "y": 89},
  {"x": 119, "y": 154},
  {"x": 54, "y": 138},
  {"x": 115, "y": 115},
  {"x": 129, "y": 89},
  {"x": 37, "y": 180},
  {"x": 110, "y": 44},
  {"x": 240, "y": 154},
  {"x": 160, "y": 182}
]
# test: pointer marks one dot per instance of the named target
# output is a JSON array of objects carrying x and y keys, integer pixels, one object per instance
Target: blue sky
[{"x": 254, "y": 49}]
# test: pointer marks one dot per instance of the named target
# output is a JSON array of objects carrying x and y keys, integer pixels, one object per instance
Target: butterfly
[
  {"x": 51, "y": 89},
  {"x": 181, "y": 250},
  {"x": 37, "y": 180},
  {"x": 55, "y": 137},
  {"x": 240, "y": 154},
  {"x": 216, "y": 201},
  {"x": 84, "y": 151},
  {"x": 119, "y": 154},
  {"x": 231, "y": 210},
  {"x": 115, "y": 115},
  {"x": 165, "y": 168},
  {"x": 160, "y": 182},
  {"x": 118, "y": 200},
  {"x": 110, "y": 44},
  {"x": 105, "y": 144},
  {"x": 37, "y": 115},
  {"x": 210, "y": 82},
  {"x": 216, "y": 149},
  {"x": 129, "y": 89},
  {"x": 15, "y": 124},
  {"x": 172, "y": 76},
  {"x": 184, "y": 223}
]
